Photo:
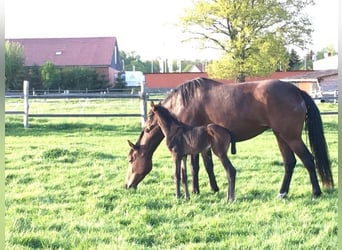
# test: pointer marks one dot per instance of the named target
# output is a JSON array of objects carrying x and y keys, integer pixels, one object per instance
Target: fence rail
[
  {"x": 26, "y": 96},
  {"x": 143, "y": 96}
]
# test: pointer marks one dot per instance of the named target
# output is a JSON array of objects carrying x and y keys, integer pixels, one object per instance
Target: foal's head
[{"x": 163, "y": 116}]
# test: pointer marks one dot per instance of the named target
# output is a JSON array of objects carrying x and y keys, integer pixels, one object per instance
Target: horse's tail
[{"x": 317, "y": 140}]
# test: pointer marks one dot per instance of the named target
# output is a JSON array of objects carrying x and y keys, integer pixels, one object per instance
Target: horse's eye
[{"x": 147, "y": 129}]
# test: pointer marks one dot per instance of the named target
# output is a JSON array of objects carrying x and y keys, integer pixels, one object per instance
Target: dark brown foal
[{"x": 183, "y": 140}]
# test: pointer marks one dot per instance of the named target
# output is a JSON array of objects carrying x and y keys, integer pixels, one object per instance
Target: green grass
[{"x": 64, "y": 190}]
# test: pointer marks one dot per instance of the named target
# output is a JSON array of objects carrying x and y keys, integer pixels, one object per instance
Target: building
[
  {"x": 318, "y": 83},
  {"x": 100, "y": 53},
  {"x": 172, "y": 80},
  {"x": 327, "y": 63}
]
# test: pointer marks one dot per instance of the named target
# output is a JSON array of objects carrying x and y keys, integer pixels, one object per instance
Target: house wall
[{"x": 110, "y": 74}]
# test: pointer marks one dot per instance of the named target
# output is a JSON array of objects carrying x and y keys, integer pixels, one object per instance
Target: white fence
[{"x": 142, "y": 95}]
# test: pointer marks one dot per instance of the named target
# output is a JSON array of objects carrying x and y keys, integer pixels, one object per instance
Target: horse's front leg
[
  {"x": 177, "y": 174},
  {"x": 185, "y": 178}
]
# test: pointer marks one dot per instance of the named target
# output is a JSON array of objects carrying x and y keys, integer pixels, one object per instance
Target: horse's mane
[{"x": 187, "y": 89}]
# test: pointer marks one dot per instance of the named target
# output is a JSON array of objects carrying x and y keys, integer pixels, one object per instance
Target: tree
[
  {"x": 251, "y": 34},
  {"x": 14, "y": 65},
  {"x": 120, "y": 81},
  {"x": 294, "y": 61},
  {"x": 80, "y": 78},
  {"x": 327, "y": 51},
  {"x": 34, "y": 76},
  {"x": 132, "y": 61},
  {"x": 50, "y": 75}
]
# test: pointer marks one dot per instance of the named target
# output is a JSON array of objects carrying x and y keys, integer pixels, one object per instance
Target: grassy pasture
[{"x": 64, "y": 189}]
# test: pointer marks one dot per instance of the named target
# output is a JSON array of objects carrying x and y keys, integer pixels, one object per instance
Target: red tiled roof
[
  {"x": 97, "y": 51},
  {"x": 172, "y": 80}
]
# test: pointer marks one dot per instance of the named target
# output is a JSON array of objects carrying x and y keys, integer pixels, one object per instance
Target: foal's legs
[
  {"x": 184, "y": 178},
  {"x": 194, "y": 172},
  {"x": 220, "y": 140},
  {"x": 231, "y": 173},
  {"x": 177, "y": 174},
  {"x": 209, "y": 167},
  {"x": 180, "y": 174}
]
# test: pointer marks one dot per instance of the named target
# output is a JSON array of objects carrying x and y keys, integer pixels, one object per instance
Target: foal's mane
[
  {"x": 167, "y": 116},
  {"x": 188, "y": 89}
]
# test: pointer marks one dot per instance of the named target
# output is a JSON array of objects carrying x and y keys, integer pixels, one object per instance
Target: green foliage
[
  {"x": 120, "y": 82},
  {"x": 71, "y": 78},
  {"x": 251, "y": 34},
  {"x": 132, "y": 61},
  {"x": 14, "y": 65},
  {"x": 50, "y": 75},
  {"x": 34, "y": 76},
  {"x": 64, "y": 190},
  {"x": 327, "y": 51},
  {"x": 78, "y": 78},
  {"x": 294, "y": 61}
]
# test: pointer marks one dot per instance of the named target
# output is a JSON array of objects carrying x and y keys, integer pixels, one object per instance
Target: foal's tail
[{"x": 317, "y": 141}]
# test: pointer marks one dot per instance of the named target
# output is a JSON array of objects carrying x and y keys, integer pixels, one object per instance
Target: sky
[{"x": 147, "y": 27}]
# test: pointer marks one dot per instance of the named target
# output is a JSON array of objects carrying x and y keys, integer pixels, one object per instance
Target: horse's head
[
  {"x": 139, "y": 165},
  {"x": 140, "y": 154}
]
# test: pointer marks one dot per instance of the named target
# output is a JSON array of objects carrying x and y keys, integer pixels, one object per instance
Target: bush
[{"x": 72, "y": 78}]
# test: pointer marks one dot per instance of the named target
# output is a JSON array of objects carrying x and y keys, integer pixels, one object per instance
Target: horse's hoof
[
  {"x": 317, "y": 194},
  {"x": 282, "y": 195},
  {"x": 230, "y": 201}
]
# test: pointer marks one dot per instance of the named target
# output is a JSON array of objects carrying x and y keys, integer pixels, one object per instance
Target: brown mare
[
  {"x": 183, "y": 140},
  {"x": 246, "y": 109}
]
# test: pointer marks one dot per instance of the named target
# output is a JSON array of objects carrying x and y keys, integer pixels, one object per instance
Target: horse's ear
[{"x": 131, "y": 144}]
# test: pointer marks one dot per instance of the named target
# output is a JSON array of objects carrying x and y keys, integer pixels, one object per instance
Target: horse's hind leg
[
  {"x": 231, "y": 173},
  {"x": 289, "y": 164},
  {"x": 194, "y": 172},
  {"x": 184, "y": 178},
  {"x": 297, "y": 146},
  {"x": 220, "y": 147},
  {"x": 303, "y": 153},
  {"x": 209, "y": 166}
]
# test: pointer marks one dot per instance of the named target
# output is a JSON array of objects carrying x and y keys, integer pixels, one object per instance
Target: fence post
[
  {"x": 26, "y": 104},
  {"x": 143, "y": 103}
]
